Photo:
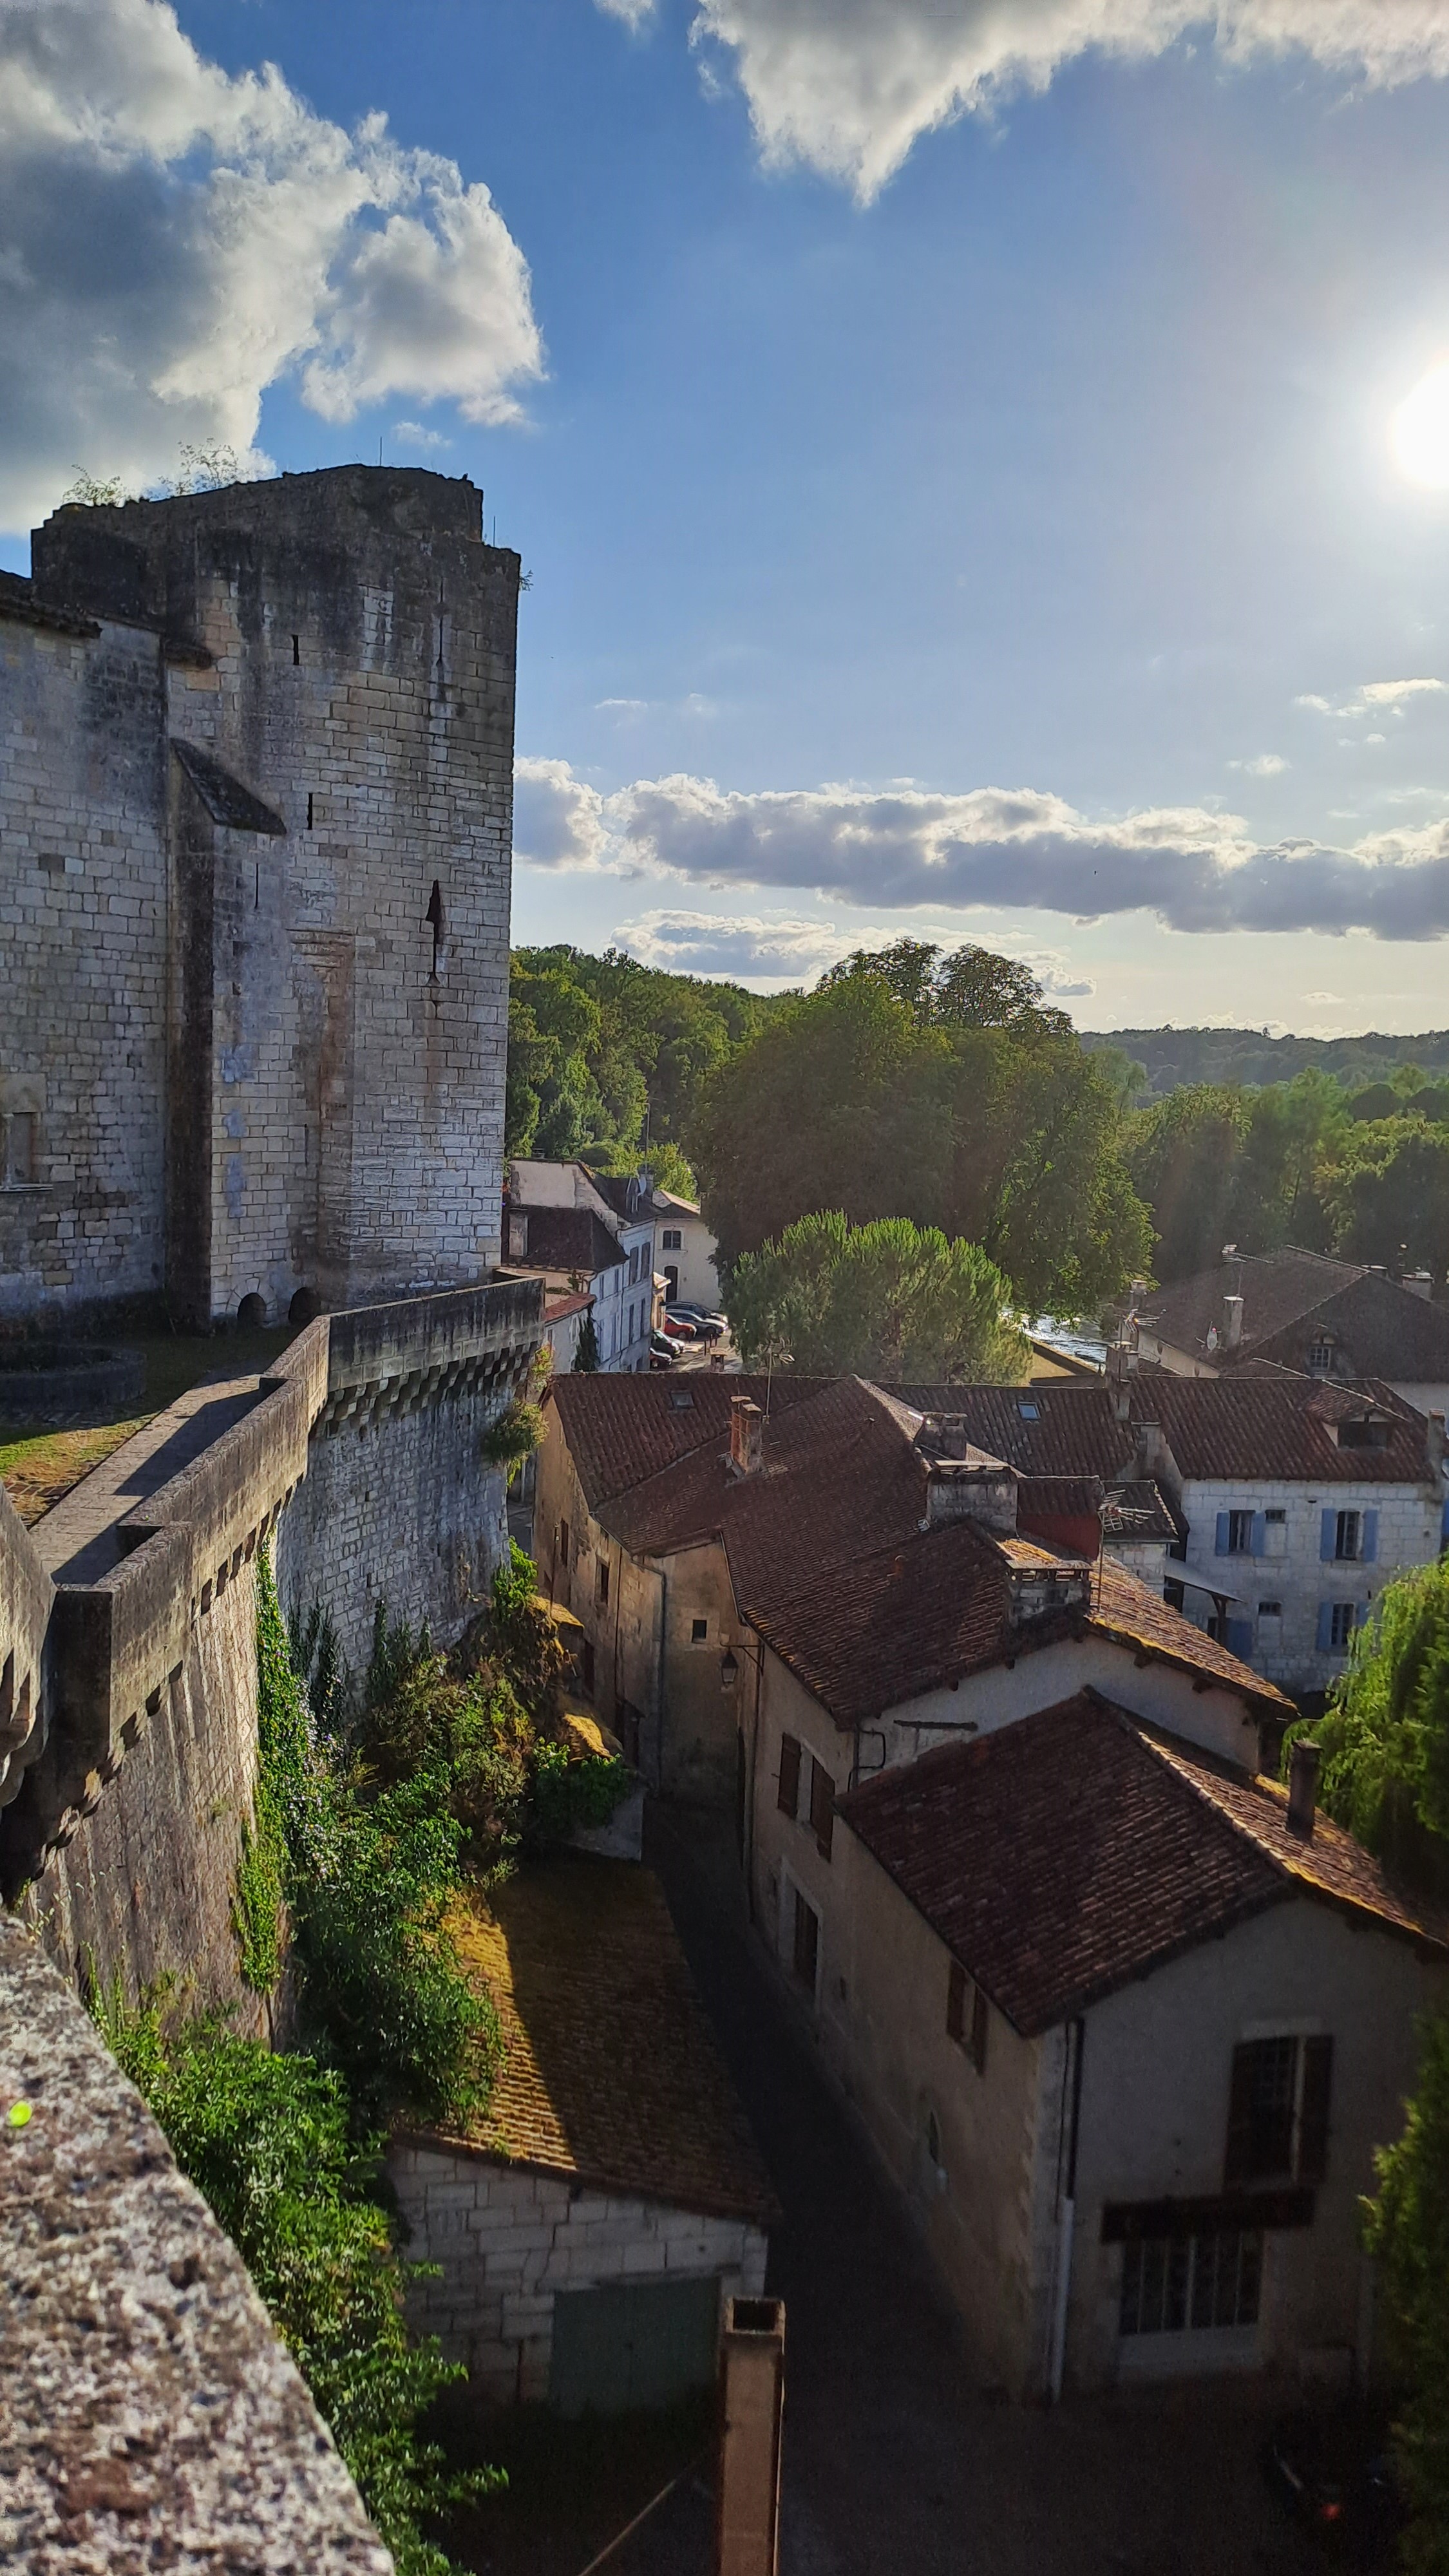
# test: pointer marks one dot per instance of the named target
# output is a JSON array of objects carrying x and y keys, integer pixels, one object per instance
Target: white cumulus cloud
[
  {"x": 985, "y": 848},
  {"x": 848, "y": 86},
  {"x": 789, "y": 949},
  {"x": 174, "y": 237}
]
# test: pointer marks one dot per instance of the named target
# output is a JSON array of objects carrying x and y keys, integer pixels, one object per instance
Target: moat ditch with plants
[{"x": 380, "y": 1801}]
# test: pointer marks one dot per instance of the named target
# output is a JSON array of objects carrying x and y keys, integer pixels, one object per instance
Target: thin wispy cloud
[
  {"x": 849, "y": 86},
  {"x": 1375, "y": 698},
  {"x": 987, "y": 848},
  {"x": 781, "y": 946},
  {"x": 178, "y": 237}
]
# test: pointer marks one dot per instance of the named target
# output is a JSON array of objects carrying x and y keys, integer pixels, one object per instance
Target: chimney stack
[
  {"x": 747, "y": 1436},
  {"x": 752, "y": 2396},
  {"x": 1232, "y": 1323},
  {"x": 1303, "y": 1788}
]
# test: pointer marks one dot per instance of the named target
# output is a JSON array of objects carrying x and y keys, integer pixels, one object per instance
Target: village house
[
  {"x": 685, "y": 1251},
  {"x": 850, "y": 1576},
  {"x": 590, "y": 1236},
  {"x": 1270, "y": 1507},
  {"x": 590, "y": 2223},
  {"x": 1303, "y": 1311},
  {"x": 1125, "y": 2025}
]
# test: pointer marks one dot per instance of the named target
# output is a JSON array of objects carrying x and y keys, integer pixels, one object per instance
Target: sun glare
[{"x": 1419, "y": 431}]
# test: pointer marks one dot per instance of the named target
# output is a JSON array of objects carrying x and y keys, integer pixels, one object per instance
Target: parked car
[
  {"x": 662, "y": 1352},
  {"x": 1335, "y": 2470},
  {"x": 676, "y": 1327},
  {"x": 711, "y": 1328}
]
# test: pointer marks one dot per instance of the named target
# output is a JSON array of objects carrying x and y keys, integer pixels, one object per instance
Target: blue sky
[{"x": 967, "y": 527}]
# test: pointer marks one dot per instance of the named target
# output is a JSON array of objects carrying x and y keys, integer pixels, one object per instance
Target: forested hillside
[
  {"x": 1173, "y": 1057},
  {"x": 942, "y": 1088}
]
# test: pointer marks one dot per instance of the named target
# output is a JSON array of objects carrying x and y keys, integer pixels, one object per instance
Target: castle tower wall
[
  {"x": 83, "y": 916},
  {"x": 340, "y": 647}
]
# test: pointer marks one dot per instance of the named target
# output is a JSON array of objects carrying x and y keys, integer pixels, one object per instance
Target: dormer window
[{"x": 1319, "y": 1362}]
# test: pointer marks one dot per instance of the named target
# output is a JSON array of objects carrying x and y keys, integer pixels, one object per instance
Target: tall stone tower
[{"x": 298, "y": 697}]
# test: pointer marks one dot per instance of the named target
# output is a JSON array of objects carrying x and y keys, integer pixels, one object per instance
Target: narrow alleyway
[{"x": 893, "y": 2461}]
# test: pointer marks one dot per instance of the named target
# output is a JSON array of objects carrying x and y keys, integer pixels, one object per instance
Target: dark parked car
[
  {"x": 662, "y": 1352},
  {"x": 711, "y": 1328},
  {"x": 1336, "y": 2471}
]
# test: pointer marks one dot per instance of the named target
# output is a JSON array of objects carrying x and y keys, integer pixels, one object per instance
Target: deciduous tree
[{"x": 886, "y": 1301}]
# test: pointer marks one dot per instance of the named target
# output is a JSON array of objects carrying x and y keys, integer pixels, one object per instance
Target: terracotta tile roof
[
  {"x": 1330, "y": 1864},
  {"x": 841, "y": 1476},
  {"x": 556, "y": 1307},
  {"x": 934, "y": 1606},
  {"x": 1387, "y": 1331},
  {"x": 623, "y": 1430},
  {"x": 1051, "y": 1429},
  {"x": 1068, "y": 1853},
  {"x": 610, "y": 2070},
  {"x": 1281, "y": 1427}
]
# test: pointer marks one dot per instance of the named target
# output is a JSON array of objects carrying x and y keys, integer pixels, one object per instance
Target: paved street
[{"x": 892, "y": 2460}]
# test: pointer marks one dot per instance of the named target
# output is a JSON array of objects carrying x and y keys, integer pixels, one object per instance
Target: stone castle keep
[{"x": 256, "y": 751}]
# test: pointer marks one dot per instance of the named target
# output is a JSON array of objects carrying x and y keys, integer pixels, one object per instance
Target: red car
[{"x": 677, "y": 1330}]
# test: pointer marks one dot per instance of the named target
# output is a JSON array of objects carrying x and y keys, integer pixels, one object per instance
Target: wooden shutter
[
  {"x": 977, "y": 2046},
  {"x": 1238, "y": 2155},
  {"x": 956, "y": 2002},
  {"x": 822, "y": 1806},
  {"x": 789, "y": 1798},
  {"x": 1313, "y": 2115}
]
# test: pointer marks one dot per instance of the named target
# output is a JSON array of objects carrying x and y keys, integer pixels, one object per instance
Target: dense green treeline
[
  {"x": 1172, "y": 1057},
  {"x": 944, "y": 1089}
]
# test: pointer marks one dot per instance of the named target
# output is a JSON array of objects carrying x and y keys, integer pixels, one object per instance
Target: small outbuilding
[{"x": 589, "y": 2223}]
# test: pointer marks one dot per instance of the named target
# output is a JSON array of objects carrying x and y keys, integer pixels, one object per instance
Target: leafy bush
[
  {"x": 271, "y": 2143},
  {"x": 568, "y": 1794},
  {"x": 1385, "y": 1732},
  {"x": 515, "y": 1435},
  {"x": 1408, "y": 2233}
]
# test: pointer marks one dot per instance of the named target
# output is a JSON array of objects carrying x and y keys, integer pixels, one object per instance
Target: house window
[
  {"x": 1278, "y": 2111},
  {"x": 563, "y": 1542},
  {"x": 1172, "y": 2285},
  {"x": 1270, "y": 1609},
  {"x": 672, "y": 1239},
  {"x": 1028, "y": 1411},
  {"x": 588, "y": 1668},
  {"x": 698, "y": 1631},
  {"x": 1240, "y": 1533},
  {"x": 966, "y": 2015},
  {"x": 805, "y": 1954},
  {"x": 822, "y": 1807},
  {"x": 788, "y": 1800},
  {"x": 1174, "y": 1595},
  {"x": 1341, "y": 1616},
  {"x": 19, "y": 1164},
  {"x": 1346, "y": 1538},
  {"x": 1320, "y": 1358},
  {"x": 601, "y": 1583},
  {"x": 1275, "y": 1533}
]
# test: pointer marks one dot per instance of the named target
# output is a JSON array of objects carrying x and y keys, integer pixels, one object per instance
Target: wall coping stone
[{"x": 152, "y": 2416}]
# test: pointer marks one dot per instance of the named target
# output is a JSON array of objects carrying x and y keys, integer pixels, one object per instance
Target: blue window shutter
[
  {"x": 1330, "y": 1533},
  {"x": 1222, "y": 1547},
  {"x": 1240, "y": 1639},
  {"x": 1325, "y": 1627},
  {"x": 1260, "y": 1533},
  {"x": 1370, "y": 1534}
]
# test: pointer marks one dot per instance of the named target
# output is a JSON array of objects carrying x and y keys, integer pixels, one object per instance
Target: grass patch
[{"x": 39, "y": 1464}]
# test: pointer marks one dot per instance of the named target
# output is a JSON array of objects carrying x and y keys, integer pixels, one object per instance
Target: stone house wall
[{"x": 506, "y": 2238}]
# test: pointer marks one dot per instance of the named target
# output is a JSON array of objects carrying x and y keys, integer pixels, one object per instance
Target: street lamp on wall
[{"x": 729, "y": 1671}]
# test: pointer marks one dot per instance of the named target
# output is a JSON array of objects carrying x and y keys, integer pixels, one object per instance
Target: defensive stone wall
[
  {"x": 399, "y": 1504},
  {"x": 131, "y": 1738}
]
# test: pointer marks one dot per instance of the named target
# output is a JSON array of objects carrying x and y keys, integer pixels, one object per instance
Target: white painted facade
[
  {"x": 684, "y": 1252},
  {"x": 1291, "y": 1559}
]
